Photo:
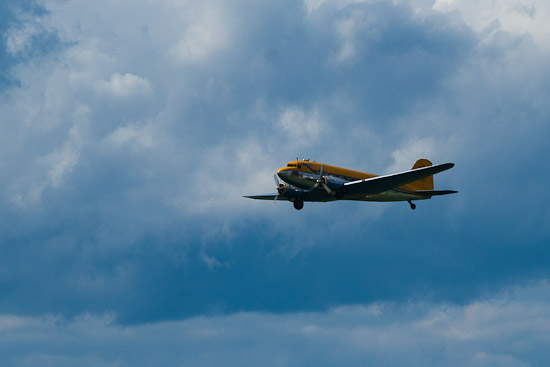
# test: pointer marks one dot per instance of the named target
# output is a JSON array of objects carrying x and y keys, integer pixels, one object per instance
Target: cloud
[
  {"x": 24, "y": 36},
  {"x": 516, "y": 17},
  {"x": 131, "y": 134},
  {"x": 18, "y": 41},
  {"x": 509, "y": 329},
  {"x": 127, "y": 146},
  {"x": 51, "y": 168},
  {"x": 208, "y": 33},
  {"x": 415, "y": 148},
  {"x": 125, "y": 85},
  {"x": 300, "y": 126}
]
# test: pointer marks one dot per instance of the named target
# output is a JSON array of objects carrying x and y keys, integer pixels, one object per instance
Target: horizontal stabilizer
[
  {"x": 376, "y": 185},
  {"x": 435, "y": 192}
]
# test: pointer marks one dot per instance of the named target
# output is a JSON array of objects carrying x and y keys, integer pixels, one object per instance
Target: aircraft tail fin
[{"x": 426, "y": 183}]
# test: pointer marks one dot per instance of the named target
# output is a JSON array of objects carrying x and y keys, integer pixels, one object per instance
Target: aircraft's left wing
[
  {"x": 376, "y": 185},
  {"x": 262, "y": 197}
]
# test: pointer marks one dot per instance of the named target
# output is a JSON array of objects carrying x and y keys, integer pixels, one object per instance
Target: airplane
[{"x": 304, "y": 180}]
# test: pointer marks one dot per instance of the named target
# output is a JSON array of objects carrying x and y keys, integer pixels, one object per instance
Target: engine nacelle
[
  {"x": 334, "y": 183},
  {"x": 281, "y": 188}
]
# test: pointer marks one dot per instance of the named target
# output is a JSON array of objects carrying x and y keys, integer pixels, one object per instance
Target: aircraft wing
[
  {"x": 262, "y": 197},
  {"x": 376, "y": 185}
]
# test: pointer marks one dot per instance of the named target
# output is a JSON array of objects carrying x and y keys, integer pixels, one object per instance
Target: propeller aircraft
[{"x": 304, "y": 180}]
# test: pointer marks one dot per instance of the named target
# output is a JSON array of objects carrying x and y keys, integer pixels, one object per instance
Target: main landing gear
[
  {"x": 413, "y": 206},
  {"x": 298, "y": 204}
]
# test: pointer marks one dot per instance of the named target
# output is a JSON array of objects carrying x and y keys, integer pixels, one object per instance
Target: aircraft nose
[{"x": 284, "y": 174}]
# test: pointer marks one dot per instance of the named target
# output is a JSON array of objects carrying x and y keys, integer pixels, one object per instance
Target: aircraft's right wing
[{"x": 376, "y": 185}]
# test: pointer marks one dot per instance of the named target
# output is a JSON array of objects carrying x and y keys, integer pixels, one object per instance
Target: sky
[{"x": 131, "y": 129}]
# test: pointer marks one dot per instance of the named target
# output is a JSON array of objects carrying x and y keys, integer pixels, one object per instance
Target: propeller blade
[
  {"x": 276, "y": 178},
  {"x": 321, "y": 172},
  {"x": 320, "y": 180},
  {"x": 278, "y": 186}
]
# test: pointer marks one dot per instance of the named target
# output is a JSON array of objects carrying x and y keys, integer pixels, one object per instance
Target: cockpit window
[{"x": 291, "y": 165}]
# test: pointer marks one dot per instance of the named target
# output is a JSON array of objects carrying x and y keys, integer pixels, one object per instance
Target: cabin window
[
  {"x": 291, "y": 165},
  {"x": 299, "y": 166}
]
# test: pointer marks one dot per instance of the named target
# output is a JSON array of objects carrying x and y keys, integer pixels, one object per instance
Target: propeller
[
  {"x": 276, "y": 179},
  {"x": 320, "y": 182},
  {"x": 280, "y": 187}
]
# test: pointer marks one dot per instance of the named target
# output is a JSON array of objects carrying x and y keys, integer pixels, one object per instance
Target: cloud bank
[
  {"x": 511, "y": 329},
  {"x": 131, "y": 130}
]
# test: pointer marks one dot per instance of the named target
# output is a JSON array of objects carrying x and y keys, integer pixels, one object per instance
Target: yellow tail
[{"x": 426, "y": 183}]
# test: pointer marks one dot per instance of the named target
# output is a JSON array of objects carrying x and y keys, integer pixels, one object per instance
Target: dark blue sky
[{"x": 131, "y": 130}]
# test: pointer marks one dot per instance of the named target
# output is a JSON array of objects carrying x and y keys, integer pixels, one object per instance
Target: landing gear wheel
[
  {"x": 298, "y": 204},
  {"x": 413, "y": 206}
]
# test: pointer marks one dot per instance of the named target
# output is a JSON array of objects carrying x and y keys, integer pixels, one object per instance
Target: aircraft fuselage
[
  {"x": 304, "y": 180},
  {"x": 304, "y": 175}
]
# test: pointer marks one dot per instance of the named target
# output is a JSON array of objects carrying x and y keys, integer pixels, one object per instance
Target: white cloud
[
  {"x": 19, "y": 40},
  {"x": 125, "y": 85},
  {"x": 509, "y": 329},
  {"x": 514, "y": 16},
  {"x": 63, "y": 160},
  {"x": 53, "y": 167},
  {"x": 355, "y": 31},
  {"x": 207, "y": 33},
  {"x": 300, "y": 125},
  {"x": 229, "y": 171},
  {"x": 412, "y": 150},
  {"x": 346, "y": 30},
  {"x": 140, "y": 136}
]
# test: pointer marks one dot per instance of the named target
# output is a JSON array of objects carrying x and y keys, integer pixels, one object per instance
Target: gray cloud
[
  {"x": 124, "y": 155},
  {"x": 510, "y": 329}
]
